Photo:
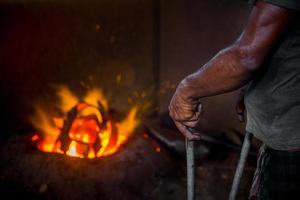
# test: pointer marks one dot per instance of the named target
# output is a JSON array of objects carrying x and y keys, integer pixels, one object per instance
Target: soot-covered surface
[{"x": 137, "y": 171}]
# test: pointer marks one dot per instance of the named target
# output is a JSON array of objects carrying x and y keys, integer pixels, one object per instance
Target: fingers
[
  {"x": 186, "y": 113},
  {"x": 199, "y": 107},
  {"x": 190, "y": 119},
  {"x": 190, "y": 124},
  {"x": 193, "y": 121},
  {"x": 197, "y": 113},
  {"x": 241, "y": 117},
  {"x": 240, "y": 110},
  {"x": 184, "y": 130}
]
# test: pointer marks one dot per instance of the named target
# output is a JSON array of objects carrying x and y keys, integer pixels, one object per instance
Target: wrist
[{"x": 187, "y": 89}]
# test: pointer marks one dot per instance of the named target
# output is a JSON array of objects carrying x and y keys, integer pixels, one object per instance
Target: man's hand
[{"x": 185, "y": 111}]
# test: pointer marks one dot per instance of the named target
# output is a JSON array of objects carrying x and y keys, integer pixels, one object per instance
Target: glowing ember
[
  {"x": 157, "y": 149},
  {"x": 34, "y": 138},
  {"x": 85, "y": 129},
  {"x": 146, "y": 136}
]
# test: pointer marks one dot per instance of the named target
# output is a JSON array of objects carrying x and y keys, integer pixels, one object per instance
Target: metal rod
[
  {"x": 241, "y": 165},
  {"x": 190, "y": 164}
]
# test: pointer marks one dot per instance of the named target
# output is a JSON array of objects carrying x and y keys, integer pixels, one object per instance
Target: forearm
[
  {"x": 233, "y": 67},
  {"x": 229, "y": 70}
]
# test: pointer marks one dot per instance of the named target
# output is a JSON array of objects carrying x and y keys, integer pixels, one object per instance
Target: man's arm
[{"x": 232, "y": 67}]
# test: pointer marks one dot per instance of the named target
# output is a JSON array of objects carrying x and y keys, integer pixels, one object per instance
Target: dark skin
[{"x": 232, "y": 68}]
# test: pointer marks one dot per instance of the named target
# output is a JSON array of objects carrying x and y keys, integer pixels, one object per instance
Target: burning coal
[{"x": 85, "y": 128}]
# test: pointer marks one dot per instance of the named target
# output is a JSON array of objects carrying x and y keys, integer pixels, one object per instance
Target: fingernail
[{"x": 200, "y": 107}]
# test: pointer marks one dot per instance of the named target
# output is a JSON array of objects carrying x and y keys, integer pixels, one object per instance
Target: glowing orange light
[
  {"x": 157, "y": 149},
  {"x": 90, "y": 134},
  {"x": 146, "y": 136},
  {"x": 34, "y": 138}
]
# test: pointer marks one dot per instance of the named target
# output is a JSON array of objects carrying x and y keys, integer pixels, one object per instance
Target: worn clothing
[
  {"x": 273, "y": 98},
  {"x": 277, "y": 175}
]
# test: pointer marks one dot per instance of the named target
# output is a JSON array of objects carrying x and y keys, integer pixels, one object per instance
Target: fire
[{"x": 85, "y": 129}]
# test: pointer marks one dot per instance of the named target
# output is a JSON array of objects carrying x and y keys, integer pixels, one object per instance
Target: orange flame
[{"x": 89, "y": 135}]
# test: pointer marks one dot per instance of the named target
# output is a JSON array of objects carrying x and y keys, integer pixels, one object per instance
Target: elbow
[
  {"x": 250, "y": 65},
  {"x": 248, "y": 58}
]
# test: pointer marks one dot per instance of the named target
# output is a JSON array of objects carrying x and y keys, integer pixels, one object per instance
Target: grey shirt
[{"x": 273, "y": 98}]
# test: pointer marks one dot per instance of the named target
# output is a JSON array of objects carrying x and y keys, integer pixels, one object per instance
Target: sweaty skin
[{"x": 232, "y": 67}]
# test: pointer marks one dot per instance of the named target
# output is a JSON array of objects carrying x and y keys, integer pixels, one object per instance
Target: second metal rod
[
  {"x": 190, "y": 161},
  {"x": 241, "y": 166}
]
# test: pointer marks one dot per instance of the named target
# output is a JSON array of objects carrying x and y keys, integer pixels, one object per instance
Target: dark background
[
  {"x": 150, "y": 44},
  {"x": 136, "y": 51}
]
